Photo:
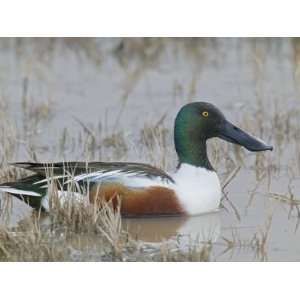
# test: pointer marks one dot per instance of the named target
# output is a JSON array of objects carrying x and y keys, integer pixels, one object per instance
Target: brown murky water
[{"x": 121, "y": 90}]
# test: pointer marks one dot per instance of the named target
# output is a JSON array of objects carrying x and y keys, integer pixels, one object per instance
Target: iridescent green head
[{"x": 197, "y": 122}]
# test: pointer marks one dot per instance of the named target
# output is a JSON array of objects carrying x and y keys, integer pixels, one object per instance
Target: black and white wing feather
[{"x": 130, "y": 174}]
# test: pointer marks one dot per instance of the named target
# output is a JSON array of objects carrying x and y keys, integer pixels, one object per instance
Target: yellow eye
[{"x": 205, "y": 114}]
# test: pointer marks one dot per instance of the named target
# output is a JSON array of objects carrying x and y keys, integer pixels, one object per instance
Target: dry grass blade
[
  {"x": 111, "y": 226},
  {"x": 231, "y": 177}
]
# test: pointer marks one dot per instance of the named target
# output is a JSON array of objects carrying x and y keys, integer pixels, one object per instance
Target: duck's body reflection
[
  {"x": 201, "y": 228},
  {"x": 204, "y": 228}
]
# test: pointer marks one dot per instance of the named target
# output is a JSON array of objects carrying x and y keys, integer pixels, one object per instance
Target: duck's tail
[{"x": 28, "y": 189}]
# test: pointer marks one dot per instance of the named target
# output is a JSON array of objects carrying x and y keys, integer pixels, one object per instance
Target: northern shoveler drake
[{"x": 194, "y": 188}]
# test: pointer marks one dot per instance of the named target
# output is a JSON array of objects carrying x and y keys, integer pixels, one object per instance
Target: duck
[{"x": 141, "y": 189}]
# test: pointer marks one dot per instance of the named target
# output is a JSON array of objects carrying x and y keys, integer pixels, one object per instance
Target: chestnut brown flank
[{"x": 143, "y": 201}]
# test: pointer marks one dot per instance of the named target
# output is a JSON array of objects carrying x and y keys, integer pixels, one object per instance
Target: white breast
[{"x": 198, "y": 189}]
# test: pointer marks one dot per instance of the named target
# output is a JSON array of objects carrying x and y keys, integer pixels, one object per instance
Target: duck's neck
[{"x": 192, "y": 152}]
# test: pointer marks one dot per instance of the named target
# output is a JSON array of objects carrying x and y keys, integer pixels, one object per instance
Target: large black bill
[{"x": 232, "y": 134}]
